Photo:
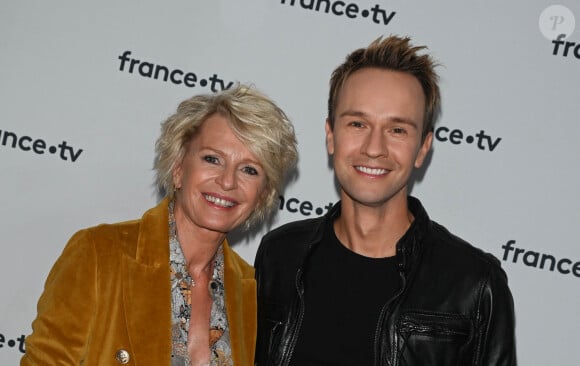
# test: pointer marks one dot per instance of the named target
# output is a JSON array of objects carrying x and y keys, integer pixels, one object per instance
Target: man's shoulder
[
  {"x": 455, "y": 249},
  {"x": 445, "y": 247}
]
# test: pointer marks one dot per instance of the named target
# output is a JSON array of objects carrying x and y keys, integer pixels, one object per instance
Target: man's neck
[{"x": 373, "y": 231}]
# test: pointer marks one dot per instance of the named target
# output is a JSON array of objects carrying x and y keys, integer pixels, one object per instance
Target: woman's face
[{"x": 219, "y": 181}]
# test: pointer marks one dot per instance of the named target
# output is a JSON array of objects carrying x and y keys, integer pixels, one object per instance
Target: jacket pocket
[{"x": 434, "y": 339}]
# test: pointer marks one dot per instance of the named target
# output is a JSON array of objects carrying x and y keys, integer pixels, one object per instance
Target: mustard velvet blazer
[{"x": 110, "y": 291}]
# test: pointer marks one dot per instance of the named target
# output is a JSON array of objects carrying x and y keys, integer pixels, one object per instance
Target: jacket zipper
[
  {"x": 425, "y": 329},
  {"x": 382, "y": 317},
  {"x": 293, "y": 338},
  {"x": 287, "y": 357}
]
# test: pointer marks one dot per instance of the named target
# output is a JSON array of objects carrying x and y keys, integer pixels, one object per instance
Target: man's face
[{"x": 376, "y": 140}]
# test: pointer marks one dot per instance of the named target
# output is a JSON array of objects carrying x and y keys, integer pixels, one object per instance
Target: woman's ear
[{"x": 177, "y": 173}]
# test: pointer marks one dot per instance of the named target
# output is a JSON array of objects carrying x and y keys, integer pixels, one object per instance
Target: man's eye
[
  {"x": 211, "y": 159},
  {"x": 250, "y": 170},
  {"x": 399, "y": 130},
  {"x": 356, "y": 124}
]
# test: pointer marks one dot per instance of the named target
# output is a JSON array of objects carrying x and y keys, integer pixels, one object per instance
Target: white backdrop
[{"x": 78, "y": 126}]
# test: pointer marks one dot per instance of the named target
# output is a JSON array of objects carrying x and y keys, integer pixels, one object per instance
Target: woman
[{"x": 167, "y": 289}]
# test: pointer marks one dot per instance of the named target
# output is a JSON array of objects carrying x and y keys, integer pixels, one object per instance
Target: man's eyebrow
[
  {"x": 353, "y": 113},
  {"x": 356, "y": 113}
]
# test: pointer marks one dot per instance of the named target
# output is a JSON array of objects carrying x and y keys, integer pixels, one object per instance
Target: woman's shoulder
[
  {"x": 105, "y": 239},
  {"x": 109, "y": 232}
]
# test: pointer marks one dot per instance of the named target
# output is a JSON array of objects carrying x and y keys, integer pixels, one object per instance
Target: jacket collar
[
  {"x": 241, "y": 306},
  {"x": 147, "y": 289},
  {"x": 152, "y": 243},
  {"x": 408, "y": 247}
]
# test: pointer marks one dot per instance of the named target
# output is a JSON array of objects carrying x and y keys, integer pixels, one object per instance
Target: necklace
[
  {"x": 208, "y": 269},
  {"x": 176, "y": 255}
]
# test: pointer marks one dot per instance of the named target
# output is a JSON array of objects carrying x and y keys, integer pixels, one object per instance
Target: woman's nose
[{"x": 227, "y": 179}]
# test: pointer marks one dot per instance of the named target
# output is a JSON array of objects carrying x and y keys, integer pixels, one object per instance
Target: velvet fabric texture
[{"x": 110, "y": 291}]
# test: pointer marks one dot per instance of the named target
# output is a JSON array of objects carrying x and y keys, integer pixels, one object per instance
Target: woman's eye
[
  {"x": 211, "y": 159},
  {"x": 250, "y": 170}
]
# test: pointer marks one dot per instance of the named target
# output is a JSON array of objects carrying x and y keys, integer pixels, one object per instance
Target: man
[{"x": 375, "y": 281}]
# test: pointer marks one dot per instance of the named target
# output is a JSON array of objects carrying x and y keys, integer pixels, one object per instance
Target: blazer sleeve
[
  {"x": 497, "y": 343},
  {"x": 65, "y": 310}
]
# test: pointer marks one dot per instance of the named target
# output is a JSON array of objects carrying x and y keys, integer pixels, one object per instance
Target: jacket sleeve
[
  {"x": 65, "y": 310},
  {"x": 496, "y": 344}
]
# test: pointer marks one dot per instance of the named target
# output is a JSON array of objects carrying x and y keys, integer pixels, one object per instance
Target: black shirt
[{"x": 344, "y": 293}]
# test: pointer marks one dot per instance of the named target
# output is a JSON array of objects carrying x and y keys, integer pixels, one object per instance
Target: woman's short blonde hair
[{"x": 254, "y": 118}]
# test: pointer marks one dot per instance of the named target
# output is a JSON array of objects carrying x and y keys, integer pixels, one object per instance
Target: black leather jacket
[{"x": 453, "y": 307}]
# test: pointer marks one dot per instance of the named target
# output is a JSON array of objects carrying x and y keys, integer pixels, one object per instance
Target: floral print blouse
[{"x": 221, "y": 353}]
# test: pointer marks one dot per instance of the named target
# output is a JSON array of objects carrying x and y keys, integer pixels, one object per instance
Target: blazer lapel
[
  {"x": 241, "y": 308},
  {"x": 147, "y": 292}
]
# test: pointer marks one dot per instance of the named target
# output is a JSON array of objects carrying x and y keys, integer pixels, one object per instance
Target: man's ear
[
  {"x": 424, "y": 150},
  {"x": 329, "y": 138}
]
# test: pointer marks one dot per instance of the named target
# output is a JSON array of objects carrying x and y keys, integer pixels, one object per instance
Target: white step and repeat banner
[{"x": 84, "y": 87}]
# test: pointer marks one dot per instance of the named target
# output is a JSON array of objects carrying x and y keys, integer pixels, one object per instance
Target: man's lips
[{"x": 371, "y": 171}]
